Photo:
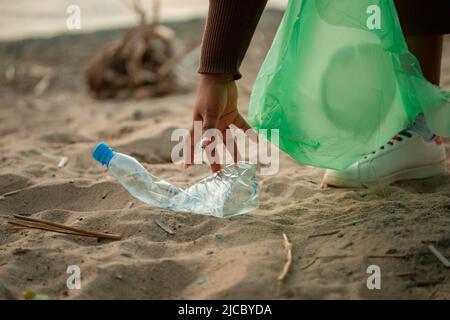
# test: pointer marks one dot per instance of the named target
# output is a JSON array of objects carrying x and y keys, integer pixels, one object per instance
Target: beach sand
[{"x": 335, "y": 233}]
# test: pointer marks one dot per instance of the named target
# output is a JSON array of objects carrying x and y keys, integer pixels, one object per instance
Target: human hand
[{"x": 216, "y": 107}]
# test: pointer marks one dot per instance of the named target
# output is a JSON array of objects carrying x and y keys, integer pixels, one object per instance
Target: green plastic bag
[{"x": 338, "y": 83}]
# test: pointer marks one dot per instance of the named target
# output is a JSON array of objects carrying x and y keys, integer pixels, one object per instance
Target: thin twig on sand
[
  {"x": 330, "y": 233},
  {"x": 336, "y": 256},
  {"x": 12, "y": 193},
  {"x": 438, "y": 255},
  {"x": 314, "y": 259},
  {"x": 59, "y": 228},
  {"x": 287, "y": 265},
  {"x": 62, "y": 162},
  {"x": 389, "y": 256},
  {"x": 351, "y": 223},
  {"x": 62, "y": 159},
  {"x": 309, "y": 264},
  {"x": 164, "y": 227}
]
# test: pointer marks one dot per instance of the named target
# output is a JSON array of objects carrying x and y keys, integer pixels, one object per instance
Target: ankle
[{"x": 420, "y": 126}]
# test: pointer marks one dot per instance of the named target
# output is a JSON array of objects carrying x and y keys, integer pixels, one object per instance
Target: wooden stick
[
  {"x": 309, "y": 264},
  {"x": 351, "y": 223},
  {"x": 140, "y": 11},
  {"x": 388, "y": 256},
  {"x": 406, "y": 274},
  {"x": 164, "y": 227},
  {"x": 433, "y": 294},
  {"x": 337, "y": 256},
  {"x": 8, "y": 194},
  {"x": 438, "y": 255},
  {"x": 156, "y": 12},
  {"x": 43, "y": 227},
  {"x": 330, "y": 233},
  {"x": 288, "y": 247},
  {"x": 78, "y": 231}
]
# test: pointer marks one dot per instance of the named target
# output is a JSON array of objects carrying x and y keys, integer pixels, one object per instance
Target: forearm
[{"x": 229, "y": 29}]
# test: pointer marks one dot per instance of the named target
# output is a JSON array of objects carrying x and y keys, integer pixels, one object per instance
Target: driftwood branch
[
  {"x": 140, "y": 64},
  {"x": 287, "y": 265}
]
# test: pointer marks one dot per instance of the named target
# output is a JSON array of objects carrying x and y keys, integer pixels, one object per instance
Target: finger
[
  {"x": 188, "y": 149},
  {"x": 212, "y": 156},
  {"x": 241, "y": 123},
  {"x": 209, "y": 122},
  {"x": 230, "y": 144},
  {"x": 190, "y": 143},
  {"x": 215, "y": 167}
]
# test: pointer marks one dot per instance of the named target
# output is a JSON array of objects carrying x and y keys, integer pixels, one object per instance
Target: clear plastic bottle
[{"x": 229, "y": 192}]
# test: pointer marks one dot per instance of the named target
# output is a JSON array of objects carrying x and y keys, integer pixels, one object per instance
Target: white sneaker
[{"x": 407, "y": 156}]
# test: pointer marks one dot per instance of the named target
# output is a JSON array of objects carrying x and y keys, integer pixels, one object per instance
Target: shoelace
[
  {"x": 399, "y": 137},
  {"x": 404, "y": 133}
]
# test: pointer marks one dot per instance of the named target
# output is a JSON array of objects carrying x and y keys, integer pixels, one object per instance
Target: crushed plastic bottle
[{"x": 231, "y": 191}]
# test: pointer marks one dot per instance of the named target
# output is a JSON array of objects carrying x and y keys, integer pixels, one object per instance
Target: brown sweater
[
  {"x": 231, "y": 23},
  {"x": 229, "y": 29}
]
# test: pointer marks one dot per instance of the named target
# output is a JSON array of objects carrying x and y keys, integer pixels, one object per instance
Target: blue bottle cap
[{"x": 103, "y": 153}]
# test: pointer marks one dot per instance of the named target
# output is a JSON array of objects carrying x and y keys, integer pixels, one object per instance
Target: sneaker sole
[{"x": 407, "y": 174}]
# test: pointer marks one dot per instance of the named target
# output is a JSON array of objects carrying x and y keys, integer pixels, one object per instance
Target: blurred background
[
  {"x": 127, "y": 76},
  {"x": 125, "y": 54},
  {"x": 36, "y": 42},
  {"x": 29, "y": 18}
]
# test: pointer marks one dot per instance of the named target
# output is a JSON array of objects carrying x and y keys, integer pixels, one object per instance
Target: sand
[
  {"x": 335, "y": 233},
  {"x": 28, "y": 18}
]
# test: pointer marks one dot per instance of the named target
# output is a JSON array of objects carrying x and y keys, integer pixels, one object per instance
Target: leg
[
  {"x": 428, "y": 50},
  {"x": 414, "y": 153},
  {"x": 423, "y": 24}
]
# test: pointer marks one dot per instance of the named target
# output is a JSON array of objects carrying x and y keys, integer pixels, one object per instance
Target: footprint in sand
[
  {"x": 152, "y": 150},
  {"x": 12, "y": 182},
  {"x": 66, "y": 196}
]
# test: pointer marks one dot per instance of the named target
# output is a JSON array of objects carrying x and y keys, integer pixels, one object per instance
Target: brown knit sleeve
[{"x": 229, "y": 29}]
